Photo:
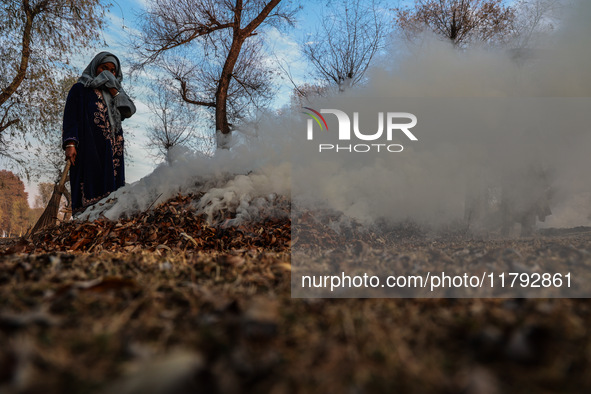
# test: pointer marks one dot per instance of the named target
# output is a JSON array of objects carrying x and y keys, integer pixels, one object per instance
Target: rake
[{"x": 49, "y": 216}]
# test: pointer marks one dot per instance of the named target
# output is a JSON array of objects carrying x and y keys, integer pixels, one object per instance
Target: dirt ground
[{"x": 159, "y": 319}]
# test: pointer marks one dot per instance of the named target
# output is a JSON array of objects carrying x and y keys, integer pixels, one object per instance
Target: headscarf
[{"x": 90, "y": 79}]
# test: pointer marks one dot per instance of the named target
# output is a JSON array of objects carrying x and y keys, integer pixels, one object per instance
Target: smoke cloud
[{"x": 503, "y": 128}]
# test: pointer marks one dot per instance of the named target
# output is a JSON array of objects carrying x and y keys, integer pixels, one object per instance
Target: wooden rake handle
[{"x": 62, "y": 182}]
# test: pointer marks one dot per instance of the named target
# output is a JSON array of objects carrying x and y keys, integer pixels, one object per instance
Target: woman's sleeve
[
  {"x": 73, "y": 116},
  {"x": 124, "y": 104}
]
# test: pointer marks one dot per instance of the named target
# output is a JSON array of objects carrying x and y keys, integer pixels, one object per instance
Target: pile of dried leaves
[
  {"x": 107, "y": 307},
  {"x": 172, "y": 225}
]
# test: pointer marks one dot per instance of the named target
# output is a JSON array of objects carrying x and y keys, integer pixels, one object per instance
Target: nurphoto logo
[{"x": 395, "y": 122}]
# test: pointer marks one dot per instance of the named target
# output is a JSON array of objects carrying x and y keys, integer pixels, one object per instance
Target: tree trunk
[{"x": 221, "y": 96}]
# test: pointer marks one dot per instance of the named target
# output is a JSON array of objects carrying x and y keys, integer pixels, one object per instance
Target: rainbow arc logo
[{"x": 316, "y": 115}]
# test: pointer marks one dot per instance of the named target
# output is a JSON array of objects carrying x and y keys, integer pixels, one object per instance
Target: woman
[{"x": 92, "y": 135}]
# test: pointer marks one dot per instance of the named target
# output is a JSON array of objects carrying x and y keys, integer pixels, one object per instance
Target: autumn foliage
[{"x": 15, "y": 215}]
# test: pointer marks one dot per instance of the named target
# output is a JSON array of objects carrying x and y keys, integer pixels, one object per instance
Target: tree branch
[
  {"x": 184, "y": 95},
  {"x": 176, "y": 42},
  {"x": 25, "y": 55},
  {"x": 260, "y": 17}
]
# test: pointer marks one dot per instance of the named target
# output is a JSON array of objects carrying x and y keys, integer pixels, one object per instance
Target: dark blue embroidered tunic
[{"x": 99, "y": 166}]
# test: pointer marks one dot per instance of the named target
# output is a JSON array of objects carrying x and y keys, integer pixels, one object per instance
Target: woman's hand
[
  {"x": 71, "y": 154},
  {"x": 113, "y": 92}
]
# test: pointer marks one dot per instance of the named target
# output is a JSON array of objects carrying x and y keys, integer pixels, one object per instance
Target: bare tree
[
  {"x": 173, "y": 124},
  {"x": 210, "y": 47},
  {"x": 344, "y": 45},
  {"x": 250, "y": 87},
  {"x": 460, "y": 21},
  {"x": 301, "y": 94},
  {"x": 533, "y": 19},
  {"x": 37, "y": 37}
]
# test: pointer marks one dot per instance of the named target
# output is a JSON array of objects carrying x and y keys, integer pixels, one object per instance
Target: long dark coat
[{"x": 99, "y": 168}]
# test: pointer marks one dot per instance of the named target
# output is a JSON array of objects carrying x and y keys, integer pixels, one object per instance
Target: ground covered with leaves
[{"x": 164, "y": 303}]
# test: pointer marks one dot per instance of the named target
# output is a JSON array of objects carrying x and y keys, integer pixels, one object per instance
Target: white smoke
[
  {"x": 243, "y": 179},
  {"x": 492, "y": 147}
]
